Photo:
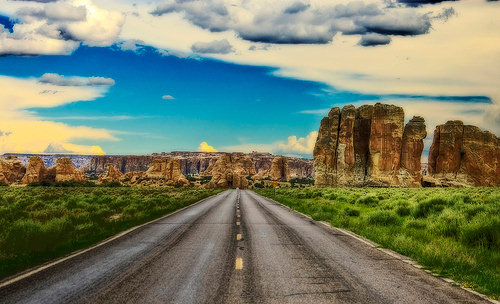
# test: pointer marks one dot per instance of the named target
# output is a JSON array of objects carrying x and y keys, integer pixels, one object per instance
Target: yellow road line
[
  {"x": 238, "y": 215},
  {"x": 239, "y": 264},
  {"x": 238, "y": 237},
  {"x": 237, "y": 223}
]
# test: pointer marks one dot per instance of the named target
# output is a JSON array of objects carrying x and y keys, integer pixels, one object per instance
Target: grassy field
[
  {"x": 38, "y": 224},
  {"x": 454, "y": 232}
]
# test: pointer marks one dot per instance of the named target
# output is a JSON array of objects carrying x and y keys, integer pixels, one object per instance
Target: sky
[{"x": 137, "y": 77}]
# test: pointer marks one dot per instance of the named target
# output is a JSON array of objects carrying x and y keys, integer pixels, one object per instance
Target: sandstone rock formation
[
  {"x": 11, "y": 170},
  {"x": 230, "y": 170},
  {"x": 167, "y": 169},
  {"x": 66, "y": 171},
  {"x": 464, "y": 155},
  {"x": 325, "y": 150},
  {"x": 112, "y": 175},
  {"x": 363, "y": 146},
  {"x": 411, "y": 151},
  {"x": 130, "y": 163},
  {"x": 37, "y": 172}
]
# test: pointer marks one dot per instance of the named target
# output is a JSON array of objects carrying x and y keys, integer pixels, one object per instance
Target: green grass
[
  {"x": 38, "y": 224},
  {"x": 455, "y": 232}
]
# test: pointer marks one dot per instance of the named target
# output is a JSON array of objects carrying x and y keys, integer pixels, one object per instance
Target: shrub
[
  {"x": 482, "y": 231},
  {"x": 427, "y": 207},
  {"x": 351, "y": 211},
  {"x": 403, "y": 210},
  {"x": 383, "y": 217},
  {"x": 369, "y": 200}
]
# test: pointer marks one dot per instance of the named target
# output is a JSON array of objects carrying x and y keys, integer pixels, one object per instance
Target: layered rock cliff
[
  {"x": 278, "y": 171},
  {"x": 168, "y": 170},
  {"x": 364, "y": 146},
  {"x": 194, "y": 163},
  {"x": 464, "y": 155}
]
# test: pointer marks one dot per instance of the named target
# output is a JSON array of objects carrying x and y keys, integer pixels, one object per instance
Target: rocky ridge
[{"x": 464, "y": 155}]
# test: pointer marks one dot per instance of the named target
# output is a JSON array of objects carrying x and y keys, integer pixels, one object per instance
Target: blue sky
[{"x": 123, "y": 77}]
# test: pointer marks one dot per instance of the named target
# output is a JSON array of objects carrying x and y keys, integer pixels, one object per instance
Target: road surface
[{"x": 236, "y": 247}]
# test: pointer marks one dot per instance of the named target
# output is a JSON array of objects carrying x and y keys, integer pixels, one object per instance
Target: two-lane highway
[{"x": 236, "y": 247}]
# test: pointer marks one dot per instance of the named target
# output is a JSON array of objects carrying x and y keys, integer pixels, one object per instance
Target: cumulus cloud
[
  {"x": 28, "y": 133},
  {"x": 374, "y": 39},
  {"x": 167, "y": 97},
  {"x": 204, "y": 147},
  {"x": 214, "y": 47},
  {"x": 415, "y": 3},
  {"x": 134, "y": 45},
  {"x": 299, "y": 22},
  {"x": 301, "y": 145},
  {"x": 60, "y": 80},
  {"x": 293, "y": 145},
  {"x": 59, "y": 28}
]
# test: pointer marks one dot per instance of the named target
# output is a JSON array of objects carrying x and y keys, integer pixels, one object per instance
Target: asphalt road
[{"x": 236, "y": 247}]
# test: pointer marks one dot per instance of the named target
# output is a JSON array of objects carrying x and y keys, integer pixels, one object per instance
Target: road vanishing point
[{"x": 235, "y": 247}]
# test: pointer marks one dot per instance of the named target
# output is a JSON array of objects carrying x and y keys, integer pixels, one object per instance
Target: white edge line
[
  {"x": 37, "y": 269},
  {"x": 387, "y": 251}
]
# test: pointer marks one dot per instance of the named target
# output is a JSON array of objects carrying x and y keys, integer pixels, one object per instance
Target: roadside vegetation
[
  {"x": 45, "y": 221},
  {"x": 455, "y": 232}
]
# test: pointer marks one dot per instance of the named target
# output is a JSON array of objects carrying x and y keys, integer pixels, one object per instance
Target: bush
[
  {"x": 351, "y": 211},
  {"x": 258, "y": 185},
  {"x": 369, "y": 200},
  {"x": 383, "y": 217},
  {"x": 482, "y": 231},
  {"x": 427, "y": 207}
]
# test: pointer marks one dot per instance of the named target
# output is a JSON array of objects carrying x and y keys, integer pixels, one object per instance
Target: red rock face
[
  {"x": 386, "y": 137},
  {"x": 345, "y": 146},
  {"x": 444, "y": 155},
  {"x": 361, "y": 138},
  {"x": 357, "y": 147},
  {"x": 325, "y": 159},
  {"x": 413, "y": 145},
  {"x": 465, "y": 155}
]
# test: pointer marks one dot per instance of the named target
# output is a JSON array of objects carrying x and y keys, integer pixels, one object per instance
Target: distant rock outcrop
[
  {"x": 167, "y": 169},
  {"x": 194, "y": 163},
  {"x": 230, "y": 170},
  {"x": 364, "y": 146},
  {"x": 11, "y": 170},
  {"x": 464, "y": 155},
  {"x": 112, "y": 175},
  {"x": 278, "y": 171},
  {"x": 37, "y": 172},
  {"x": 66, "y": 171}
]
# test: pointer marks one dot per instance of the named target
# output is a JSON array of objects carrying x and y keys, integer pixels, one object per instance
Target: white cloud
[
  {"x": 24, "y": 132},
  {"x": 204, "y": 147},
  {"x": 58, "y": 28},
  {"x": 167, "y": 97}
]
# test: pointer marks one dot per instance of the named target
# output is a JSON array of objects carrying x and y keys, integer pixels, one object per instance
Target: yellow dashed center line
[
  {"x": 238, "y": 237},
  {"x": 238, "y": 215},
  {"x": 239, "y": 264},
  {"x": 237, "y": 223}
]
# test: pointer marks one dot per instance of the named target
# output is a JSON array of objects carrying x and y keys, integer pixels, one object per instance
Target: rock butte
[
  {"x": 371, "y": 146},
  {"x": 230, "y": 170}
]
